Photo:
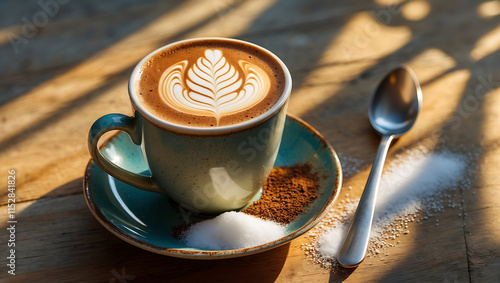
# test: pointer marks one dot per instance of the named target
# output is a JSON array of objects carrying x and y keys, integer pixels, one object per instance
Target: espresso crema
[{"x": 208, "y": 83}]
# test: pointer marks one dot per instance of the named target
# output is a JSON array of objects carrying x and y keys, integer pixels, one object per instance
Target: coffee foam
[
  {"x": 213, "y": 86},
  {"x": 210, "y": 83}
]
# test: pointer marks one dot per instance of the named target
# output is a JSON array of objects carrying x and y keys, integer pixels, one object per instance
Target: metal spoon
[{"x": 393, "y": 110}]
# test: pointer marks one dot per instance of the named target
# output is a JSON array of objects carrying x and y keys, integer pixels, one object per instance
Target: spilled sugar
[
  {"x": 412, "y": 184},
  {"x": 410, "y": 181},
  {"x": 350, "y": 165},
  {"x": 232, "y": 230}
]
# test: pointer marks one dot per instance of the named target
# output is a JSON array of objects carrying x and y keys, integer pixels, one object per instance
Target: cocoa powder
[{"x": 286, "y": 194}]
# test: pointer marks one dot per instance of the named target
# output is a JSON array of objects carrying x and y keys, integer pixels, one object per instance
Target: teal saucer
[{"x": 147, "y": 220}]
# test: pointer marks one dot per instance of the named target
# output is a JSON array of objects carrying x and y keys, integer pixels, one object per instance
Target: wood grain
[{"x": 75, "y": 68}]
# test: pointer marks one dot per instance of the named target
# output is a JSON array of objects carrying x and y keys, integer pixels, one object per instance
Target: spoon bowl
[
  {"x": 393, "y": 110},
  {"x": 395, "y": 103}
]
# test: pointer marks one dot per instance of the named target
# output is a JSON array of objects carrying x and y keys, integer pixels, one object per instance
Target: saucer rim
[{"x": 219, "y": 254}]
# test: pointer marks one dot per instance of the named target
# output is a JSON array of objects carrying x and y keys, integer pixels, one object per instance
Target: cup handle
[{"x": 127, "y": 124}]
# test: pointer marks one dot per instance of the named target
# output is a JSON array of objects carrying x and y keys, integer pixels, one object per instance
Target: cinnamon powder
[{"x": 286, "y": 194}]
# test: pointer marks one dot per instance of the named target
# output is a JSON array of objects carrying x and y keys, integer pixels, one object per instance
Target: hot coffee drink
[
  {"x": 209, "y": 83},
  {"x": 209, "y": 115}
]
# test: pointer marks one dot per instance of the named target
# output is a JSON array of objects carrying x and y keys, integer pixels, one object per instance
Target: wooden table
[{"x": 66, "y": 63}]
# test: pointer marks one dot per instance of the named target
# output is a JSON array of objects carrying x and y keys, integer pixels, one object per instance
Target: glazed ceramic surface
[{"x": 148, "y": 220}]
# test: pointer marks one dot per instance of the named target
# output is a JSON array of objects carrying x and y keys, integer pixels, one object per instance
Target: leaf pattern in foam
[{"x": 213, "y": 86}]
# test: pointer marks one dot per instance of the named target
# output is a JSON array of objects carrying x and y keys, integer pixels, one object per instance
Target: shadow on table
[
  {"x": 462, "y": 130},
  {"x": 68, "y": 230},
  {"x": 44, "y": 41},
  {"x": 57, "y": 234}
]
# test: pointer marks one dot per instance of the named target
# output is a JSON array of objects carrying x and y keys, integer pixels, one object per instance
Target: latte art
[
  {"x": 210, "y": 83},
  {"x": 212, "y": 86}
]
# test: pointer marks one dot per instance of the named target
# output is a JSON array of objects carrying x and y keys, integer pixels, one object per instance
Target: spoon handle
[{"x": 355, "y": 243}]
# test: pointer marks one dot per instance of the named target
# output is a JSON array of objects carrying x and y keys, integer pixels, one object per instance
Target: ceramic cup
[{"x": 206, "y": 170}]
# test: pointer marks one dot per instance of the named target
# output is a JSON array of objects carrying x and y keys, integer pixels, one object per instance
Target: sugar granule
[
  {"x": 410, "y": 184},
  {"x": 232, "y": 230}
]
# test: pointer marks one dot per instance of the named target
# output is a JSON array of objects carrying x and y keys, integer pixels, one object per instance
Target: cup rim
[{"x": 207, "y": 130}]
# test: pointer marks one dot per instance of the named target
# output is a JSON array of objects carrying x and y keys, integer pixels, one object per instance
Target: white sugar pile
[
  {"x": 410, "y": 184},
  {"x": 232, "y": 230}
]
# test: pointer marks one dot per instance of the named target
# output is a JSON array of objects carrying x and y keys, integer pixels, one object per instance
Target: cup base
[{"x": 187, "y": 211}]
